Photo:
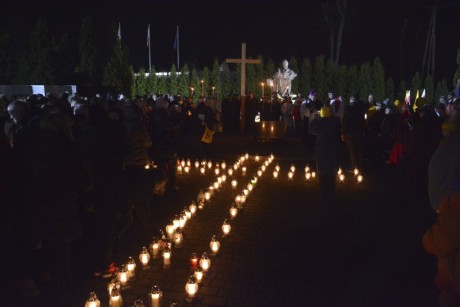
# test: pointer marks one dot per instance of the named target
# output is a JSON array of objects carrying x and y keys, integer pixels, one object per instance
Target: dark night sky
[{"x": 273, "y": 29}]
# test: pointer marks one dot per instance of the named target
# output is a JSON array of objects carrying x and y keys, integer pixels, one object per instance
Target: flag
[
  {"x": 119, "y": 31},
  {"x": 423, "y": 94},
  {"x": 176, "y": 38},
  {"x": 148, "y": 35},
  {"x": 407, "y": 99}
]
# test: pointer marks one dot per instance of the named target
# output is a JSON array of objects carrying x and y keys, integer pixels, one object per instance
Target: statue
[{"x": 281, "y": 81}]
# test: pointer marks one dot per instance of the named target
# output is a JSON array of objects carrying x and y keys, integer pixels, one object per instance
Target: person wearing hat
[
  {"x": 326, "y": 128},
  {"x": 336, "y": 104},
  {"x": 308, "y": 109}
]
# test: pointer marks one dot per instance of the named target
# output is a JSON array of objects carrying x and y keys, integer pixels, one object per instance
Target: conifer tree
[
  {"x": 364, "y": 81},
  {"x": 294, "y": 65},
  {"x": 429, "y": 89},
  {"x": 195, "y": 84},
  {"x": 457, "y": 72},
  {"x": 441, "y": 89},
  {"x": 173, "y": 86},
  {"x": 414, "y": 86},
  {"x": 330, "y": 76},
  {"x": 237, "y": 83},
  {"x": 35, "y": 64},
  {"x": 206, "y": 79},
  {"x": 402, "y": 91},
  {"x": 183, "y": 86},
  {"x": 305, "y": 77},
  {"x": 152, "y": 82},
  {"x": 162, "y": 85},
  {"x": 216, "y": 80},
  {"x": 226, "y": 81},
  {"x": 352, "y": 84},
  {"x": 141, "y": 83},
  {"x": 251, "y": 81},
  {"x": 341, "y": 80},
  {"x": 87, "y": 51},
  {"x": 318, "y": 78},
  {"x": 378, "y": 80},
  {"x": 390, "y": 89},
  {"x": 260, "y": 77},
  {"x": 133, "y": 91}
]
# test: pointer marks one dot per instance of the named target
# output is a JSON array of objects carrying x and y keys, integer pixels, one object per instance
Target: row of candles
[
  {"x": 174, "y": 233},
  {"x": 358, "y": 176},
  {"x": 312, "y": 174}
]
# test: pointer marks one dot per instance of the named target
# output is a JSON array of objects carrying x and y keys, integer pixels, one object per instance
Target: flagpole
[
  {"x": 177, "y": 47},
  {"x": 150, "y": 54}
]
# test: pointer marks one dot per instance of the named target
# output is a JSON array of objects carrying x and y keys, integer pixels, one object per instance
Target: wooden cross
[{"x": 243, "y": 61}]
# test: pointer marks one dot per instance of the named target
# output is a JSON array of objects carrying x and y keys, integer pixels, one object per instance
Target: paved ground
[{"x": 288, "y": 247}]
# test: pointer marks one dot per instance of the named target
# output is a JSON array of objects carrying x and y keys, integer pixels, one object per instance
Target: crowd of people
[
  {"x": 61, "y": 157},
  {"x": 66, "y": 158}
]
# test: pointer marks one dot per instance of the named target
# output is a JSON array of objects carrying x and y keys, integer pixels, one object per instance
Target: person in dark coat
[
  {"x": 251, "y": 112},
  {"x": 353, "y": 127},
  {"x": 107, "y": 156},
  {"x": 57, "y": 179},
  {"x": 423, "y": 142},
  {"x": 327, "y": 131}
]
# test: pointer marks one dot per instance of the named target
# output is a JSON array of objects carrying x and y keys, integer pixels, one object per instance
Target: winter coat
[
  {"x": 57, "y": 177},
  {"x": 353, "y": 123},
  {"x": 327, "y": 131}
]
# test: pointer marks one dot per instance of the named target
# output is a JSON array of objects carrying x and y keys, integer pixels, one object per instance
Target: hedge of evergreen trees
[
  {"x": 321, "y": 75},
  {"x": 101, "y": 61}
]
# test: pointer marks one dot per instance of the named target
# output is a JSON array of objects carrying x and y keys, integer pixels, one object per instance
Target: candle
[
  {"x": 193, "y": 261},
  {"x": 93, "y": 301},
  {"x": 356, "y": 171},
  {"x": 178, "y": 239},
  {"x": 205, "y": 262},
  {"x": 275, "y": 174},
  {"x": 131, "y": 266},
  {"x": 214, "y": 245},
  {"x": 122, "y": 275},
  {"x": 115, "y": 298},
  {"x": 155, "y": 248},
  {"x": 114, "y": 282},
  {"x": 170, "y": 228},
  {"x": 360, "y": 178},
  {"x": 342, "y": 177},
  {"x": 198, "y": 274},
  {"x": 166, "y": 258},
  {"x": 155, "y": 296},
  {"x": 233, "y": 211},
  {"x": 225, "y": 229},
  {"x": 193, "y": 208},
  {"x": 191, "y": 287},
  {"x": 144, "y": 256},
  {"x": 234, "y": 184}
]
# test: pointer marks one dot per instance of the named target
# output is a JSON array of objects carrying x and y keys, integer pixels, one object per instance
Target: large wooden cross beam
[{"x": 243, "y": 61}]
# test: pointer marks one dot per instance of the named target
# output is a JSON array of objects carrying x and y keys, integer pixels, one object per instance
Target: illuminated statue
[{"x": 281, "y": 81}]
